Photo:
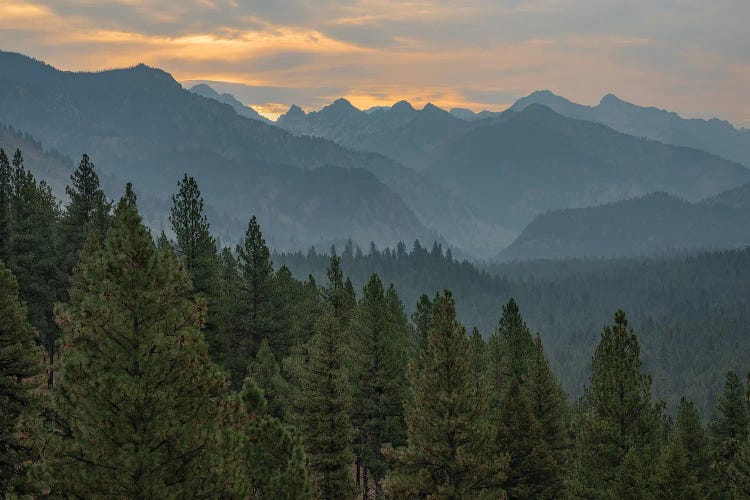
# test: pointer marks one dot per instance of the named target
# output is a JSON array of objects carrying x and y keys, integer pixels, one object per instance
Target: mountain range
[
  {"x": 714, "y": 136},
  {"x": 511, "y": 166},
  {"x": 387, "y": 174},
  {"x": 139, "y": 124},
  {"x": 649, "y": 225}
]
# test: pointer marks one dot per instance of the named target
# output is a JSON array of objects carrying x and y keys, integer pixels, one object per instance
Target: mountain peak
[
  {"x": 295, "y": 111},
  {"x": 610, "y": 99},
  {"x": 402, "y": 106}
]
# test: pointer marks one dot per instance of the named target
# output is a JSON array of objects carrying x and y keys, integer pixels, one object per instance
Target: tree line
[{"x": 134, "y": 366}]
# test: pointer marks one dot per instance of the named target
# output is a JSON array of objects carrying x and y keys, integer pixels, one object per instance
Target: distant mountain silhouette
[
  {"x": 399, "y": 132},
  {"x": 206, "y": 91},
  {"x": 715, "y": 136},
  {"x": 140, "y": 125},
  {"x": 649, "y": 225},
  {"x": 520, "y": 164}
]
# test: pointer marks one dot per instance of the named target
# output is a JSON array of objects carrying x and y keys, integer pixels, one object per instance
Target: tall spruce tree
[
  {"x": 449, "y": 451},
  {"x": 339, "y": 293},
  {"x": 136, "y": 407},
  {"x": 21, "y": 374},
  {"x": 378, "y": 347},
  {"x": 88, "y": 211},
  {"x": 534, "y": 472},
  {"x": 619, "y": 428},
  {"x": 729, "y": 427},
  {"x": 323, "y": 408}
]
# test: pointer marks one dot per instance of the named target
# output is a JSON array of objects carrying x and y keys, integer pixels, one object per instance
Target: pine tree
[
  {"x": 88, "y": 211},
  {"x": 256, "y": 310},
  {"x": 339, "y": 293},
  {"x": 450, "y": 453},
  {"x": 379, "y": 379},
  {"x": 478, "y": 354},
  {"x": 518, "y": 341},
  {"x": 136, "y": 407},
  {"x": 6, "y": 195},
  {"x": 265, "y": 373},
  {"x": 194, "y": 243},
  {"x": 619, "y": 427},
  {"x": 323, "y": 408},
  {"x": 21, "y": 374},
  {"x": 421, "y": 319},
  {"x": 689, "y": 432},
  {"x": 272, "y": 462},
  {"x": 549, "y": 404},
  {"x": 534, "y": 473},
  {"x": 675, "y": 478},
  {"x": 738, "y": 473},
  {"x": 34, "y": 258},
  {"x": 729, "y": 427}
]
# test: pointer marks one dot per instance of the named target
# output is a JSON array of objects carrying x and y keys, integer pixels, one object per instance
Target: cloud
[{"x": 690, "y": 56}]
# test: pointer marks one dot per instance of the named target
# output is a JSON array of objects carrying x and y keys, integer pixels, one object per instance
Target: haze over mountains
[{"x": 388, "y": 174}]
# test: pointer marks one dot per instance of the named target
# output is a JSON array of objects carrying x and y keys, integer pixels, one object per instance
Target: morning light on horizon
[{"x": 692, "y": 57}]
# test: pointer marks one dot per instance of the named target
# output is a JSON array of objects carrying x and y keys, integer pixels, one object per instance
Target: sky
[{"x": 688, "y": 56}]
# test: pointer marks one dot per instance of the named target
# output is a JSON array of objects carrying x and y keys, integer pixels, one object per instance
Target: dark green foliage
[
  {"x": 449, "y": 451},
  {"x": 618, "y": 427},
  {"x": 88, "y": 211},
  {"x": 21, "y": 374},
  {"x": 422, "y": 321},
  {"x": 379, "y": 344},
  {"x": 194, "y": 242},
  {"x": 272, "y": 462},
  {"x": 534, "y": 472},
  {"x": 478, "y": 354},
  {"x": 339, "y": 294},
  {"x": 250, "y": 302},
  {"x": 676, "y": 479},
  {"x": 549, "y": 404},
  {"x": 323, "y": 407},
  {"x": 265, "y": 373},
  {"x": 136, "y": 407},
  {"x": 738, "y": 474},
  {"x": 34, "y": 257},
  {"x": 729, "y": 427},
  {"x": 6, "y": 195},
  {"x": 688, "y": 430}
]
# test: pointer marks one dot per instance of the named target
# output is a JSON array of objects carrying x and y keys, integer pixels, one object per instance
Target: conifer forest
[{"x": 148, "y": 364}]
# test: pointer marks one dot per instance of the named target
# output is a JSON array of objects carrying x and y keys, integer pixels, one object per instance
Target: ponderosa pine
[
  {"x": 21, "y": 375},
  {"x": 729, "y": 427},
  {"x": 138, "y": 400},
  {"x": 618, "y": 431},
  {"x": 450, "y": 452}
]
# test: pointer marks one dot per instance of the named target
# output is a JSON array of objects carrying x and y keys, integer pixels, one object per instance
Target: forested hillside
[
  {"x": 650, "y": 225},
  {"x": 143, "y": 367}
]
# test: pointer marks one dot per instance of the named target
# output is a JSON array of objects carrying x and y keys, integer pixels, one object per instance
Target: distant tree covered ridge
[{"x": 133, "y": 365}]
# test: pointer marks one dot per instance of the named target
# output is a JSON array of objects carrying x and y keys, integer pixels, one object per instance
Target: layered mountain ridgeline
[
  {"x": 653, "y": 224},
  {"x": 690, "y": 311},
  {"x": 520, "y": 164},
  {"x": 715, "y": 136},
  {"x": 206, "y": 91},
  {"x": 141, "y": 125},
  {"x": 514, "y": 165},
  {"x": 400, "y": 132},
  {"x": 52, "y": 166}
]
